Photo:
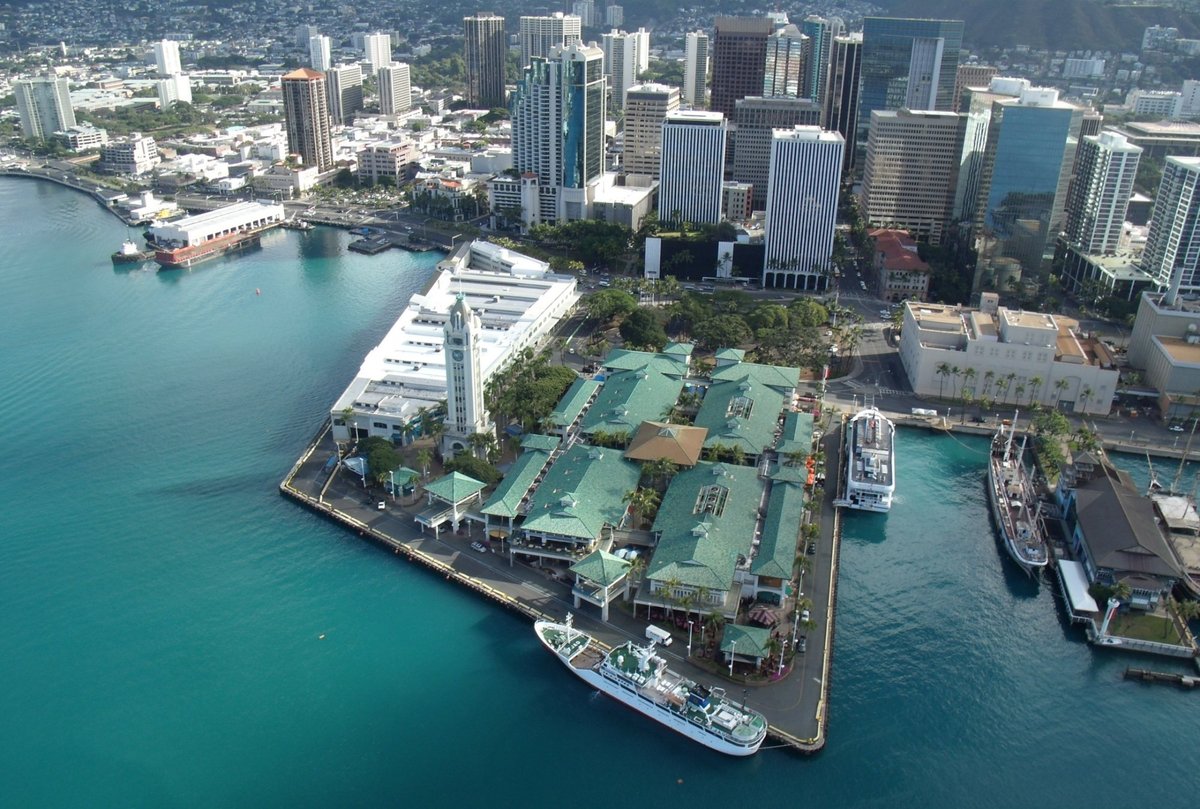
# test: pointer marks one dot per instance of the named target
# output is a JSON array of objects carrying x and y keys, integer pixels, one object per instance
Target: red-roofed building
[{"x": 900, "y": 274}]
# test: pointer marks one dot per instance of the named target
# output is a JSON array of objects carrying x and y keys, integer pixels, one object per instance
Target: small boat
[
  {"x": 638, "y": 678},
  {"x": 129, "y": 254},
  {"x": 1015, "y": 504}
]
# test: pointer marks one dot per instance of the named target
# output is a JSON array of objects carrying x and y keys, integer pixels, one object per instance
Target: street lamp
[
  {"x": 689, "y": 637},
  {"x": 732, "y": 651},
  {"x": 781, "y": 654}
]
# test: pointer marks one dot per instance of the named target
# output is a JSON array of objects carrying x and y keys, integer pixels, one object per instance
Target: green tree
[
  {"x": 477, "y": 468},
  {"x": 721, "y": 331},
  {"x": 610, "y": 303},
  {"x": 644, "y": 328}
]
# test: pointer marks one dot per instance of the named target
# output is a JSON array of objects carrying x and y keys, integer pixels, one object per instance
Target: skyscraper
[
  {"x": 806, "y": 166},
  {"x": 466, "y": 413},
  {"x": 625, "y": 56},
  {"x": 484, "y": 52},
  {"x": 907, "y": 63},
  {"x": 614, "y": 15},
  {"x": 1027, "y": 165},
  {"x": 911, "y": 171},
  {"x": 44, "y": 105},
  {"x": 841, "y": 101},
  {"x": 977, "y": 106},
  {"x": 173, "y": 90},
  {"x": 755, "y": 120},
  {"x": 739, "y": 60},
  {"x": 695, "y": 69},
  {"x": 693, "y": 167},
  {"x": 166, "y": 57},
  {"x": 395, "y": 89},
  {"x": 377, "y": 48},
  {"x": 558, "y": 114},
  {"x": 784, "y": 69},
  {"x": 1172, "y": 254},
  {"x": 306, "y": 113},
  {"x": 1105, "y": 167},
  {"x": 320, "y": 56},
  {"x": 585, "y": 10},
  {"x": 344, "y": 92},
  {"x": 821, "y": 34},
  {"x": 646, "y": 107},
  {"x": 538, "y": 35},
  {"x": 970, "y": 76}
]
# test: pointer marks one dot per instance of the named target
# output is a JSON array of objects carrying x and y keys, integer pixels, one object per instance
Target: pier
[
  {"x": 796, "y": 706},
  {"x": 1163, "y": 677}
]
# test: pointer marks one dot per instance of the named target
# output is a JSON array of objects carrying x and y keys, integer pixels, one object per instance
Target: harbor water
[{"x": 174, "y": 633}]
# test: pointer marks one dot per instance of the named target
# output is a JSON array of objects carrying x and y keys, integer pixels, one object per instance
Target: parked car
[
  {"x": 478, "y": 546},
  {"x": 382, "y": 505},
  {"x": 804, "y": 615}
]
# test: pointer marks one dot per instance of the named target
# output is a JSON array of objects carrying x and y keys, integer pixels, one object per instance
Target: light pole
[
  {"x": 689, "y": 637},
  {"x": 781, "y": 654},
  {"x": 732, "y": 651},
  {"x": 1131, "y": 432}
]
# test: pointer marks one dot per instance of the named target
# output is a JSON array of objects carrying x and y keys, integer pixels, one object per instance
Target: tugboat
[{"x": 129, "y": 254}]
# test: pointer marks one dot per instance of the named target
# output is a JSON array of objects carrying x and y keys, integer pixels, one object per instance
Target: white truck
[{"x": 658, "y": 635}]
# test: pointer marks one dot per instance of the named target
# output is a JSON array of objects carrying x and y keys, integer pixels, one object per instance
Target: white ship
[
  {"x": 638, "y": 678},
  {"x": 1014, "y": 503},
  {"x": 870, "y": 461}
]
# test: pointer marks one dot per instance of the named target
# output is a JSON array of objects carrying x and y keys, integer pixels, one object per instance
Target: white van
[{"x": 658, "y": 635}]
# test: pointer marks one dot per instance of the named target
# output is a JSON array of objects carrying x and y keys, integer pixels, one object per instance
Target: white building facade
[
  {"x": 538, "y": 35},
  {"x": 166, "y": 57},
  {"x": 1172, "y": 254},
  {"x": 465, "y": 411},
  {"x": 44, "y": 105},
  {"x": 695, "y": 69},
  {"x": 395, "y": 89},
  {"x": 806, "y": 165},
  {"x": 1105, "y": 168},
  {"x": 693, "y": 167},
  {"x": 626, "y": 55}
]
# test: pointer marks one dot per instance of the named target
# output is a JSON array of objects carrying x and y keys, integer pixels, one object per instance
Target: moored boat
[
  {"x": 870, "y": 461},
  {"x": 1014, "y": 503},
  {"x": 129, "y": 254},
  {"x": 635, "y": 676}
]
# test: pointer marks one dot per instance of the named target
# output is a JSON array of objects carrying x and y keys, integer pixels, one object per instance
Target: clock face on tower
[{"x": 456, "y": 355}]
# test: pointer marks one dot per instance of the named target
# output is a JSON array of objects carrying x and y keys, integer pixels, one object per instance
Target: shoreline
[{"x": 45, "y": 174}]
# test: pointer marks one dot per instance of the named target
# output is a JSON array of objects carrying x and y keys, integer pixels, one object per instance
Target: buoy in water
[
  {"x": 321, "y": 636},
  {"x": 257, "y": 291}
]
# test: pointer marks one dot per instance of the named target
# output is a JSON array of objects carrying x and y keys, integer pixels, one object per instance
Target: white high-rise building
[
  {"x": 344, "y": 92},
  {"x": 320, "y": 53},
  {"x": 465, "y": 410},
  {"x": 693, "y": 167},
  {"x": 614, "y": 15},
  {"x": 174, "y": 89},
  {"x": 1172, "y": 254},
  {"x": 395, "y": 89},
  {"x": 166, "y": 57},
  {"x": 806, "y": 164},
  {"x": 45, "y": 107},
  {"x": 646, "y": 107},
  {"x": 695, "y": 69},
  {"x": 377, "y": 49},
  {"x": 626, "y": 55},
  {"x": 538, "y": 35},
  {"x": 585, "y": 10},
  {"x": 1105, "y": 167},
  {"x": 784, "y": 71}
]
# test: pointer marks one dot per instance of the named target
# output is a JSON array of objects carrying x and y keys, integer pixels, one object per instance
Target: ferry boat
[
  {"x": 169, "y": 258},
  {"x": 638, "y": 678},
  {"x": 1014, "y": 502},
  {"x": 129, "y": 254},
  {"x": 870, "y": 461},
  {"x": 198, "y": 238}
]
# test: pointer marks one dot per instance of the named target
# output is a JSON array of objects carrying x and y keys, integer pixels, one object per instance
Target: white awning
[{"x": 1075, "y": 579}]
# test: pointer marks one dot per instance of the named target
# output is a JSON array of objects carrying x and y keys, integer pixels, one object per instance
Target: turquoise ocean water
[{"x": 161, "y": 605}]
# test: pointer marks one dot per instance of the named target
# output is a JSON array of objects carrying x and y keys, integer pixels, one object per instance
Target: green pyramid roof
[{"x": 455, "y": 487}]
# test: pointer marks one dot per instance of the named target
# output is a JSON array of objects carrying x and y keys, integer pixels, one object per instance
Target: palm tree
[
  {"x": 1059, "y": 387},
  {"x": 955, "y": 373},
  {"x": 1084, "y": 395},
  {"x": 943, "y": 371},
  {"x": 1035, "y": 386},
  {"x": 988, "y": 376},
  {"x": 348, "y": 420},
  {"x": 641, "y": 501},
  {"x": 969, "y": 378},
  {"x": 1019, "y": 390},
  {"x": 424, "y": 457},
  {"x": 1009, "y": 378}
]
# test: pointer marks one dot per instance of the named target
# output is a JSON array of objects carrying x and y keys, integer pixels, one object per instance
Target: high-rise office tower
[
  {"x": 306, "y": 114},
  {"x": 344, "y": 92},
  {"x": 614, "y": 15},
  {"x": 558, "y": 130},
  {"x": 821, "y": 34},
  {"x": 320, "y": 53},
  {"x": 695, "y": 69},
  {"x": 585, "y": 10},
  {"x": 977, "y": 106},
  {"x": 806, "y": 167},
  {"x": 44, "y": 105},
  {"x": 395, "y": 89},
  {"x": 911, "y": 171},
  {"x": 646, "y": 107},
  {"x": 626, "y": 55},
  {"x": 377, "y": 50},
  {"x": 739, "y": 60},
  {"x": 784, "y": 69},
  {"x": 304, "y": 33},
  {"x": 1105, "y": 167},
  {"x": 1027, "y": 165},
  {"x": 755, "y": 120},
  {"x": 970, "y": 76},
  {"x": 1172, "y": 254},
  {"x": 538, "y": 35},
  {"x": 841, "y": 99},
  {"x": 166, "y": 57},
  {"x": 484, "y": 52},
  {"x": 173, "y": 90},
  {"x": 907, "y": 63},
  {"x": 693, "y": 167}
]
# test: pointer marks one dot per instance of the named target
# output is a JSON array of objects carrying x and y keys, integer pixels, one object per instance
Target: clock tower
[{"x": 465, "y": 411}]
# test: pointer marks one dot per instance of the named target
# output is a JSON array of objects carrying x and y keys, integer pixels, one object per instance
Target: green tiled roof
[
  {"x": 672, "y": 362},
  {"x": 780, "y": 470},
  {"x": 454, "y": 487},
  {"x": 740, "y": 412},
  {"x": 630, "y": 397},
  {"x": 776, "y": 376},
  {"x": 549, "y": 443},
  {"x": 699, "y": 548},
  {"x": 684, "y": 349},
  {"x": 797, "y": 434},
  {"x": 403, "y": 475},
  {"x": 573, "y": 401},
  {"x": 506, "y": 499},
  {"x": 749, "y": 641},
  {"x": 781, "y": 530},
  {"x": 735, "y": 354},
  {"x": 601, "y": 567},
  {"x": 582, "y": 492}
]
